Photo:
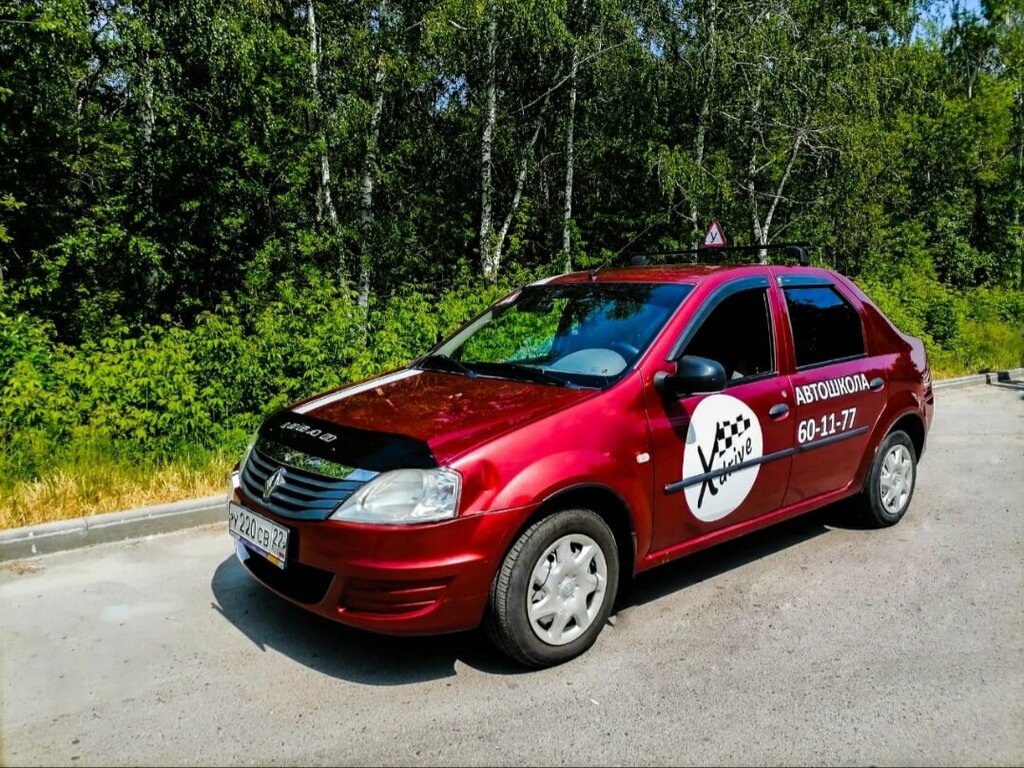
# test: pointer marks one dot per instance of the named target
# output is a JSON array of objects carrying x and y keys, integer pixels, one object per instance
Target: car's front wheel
[
  {"x": 890, "y": 483},
  {"x": 555, "y": 589}
]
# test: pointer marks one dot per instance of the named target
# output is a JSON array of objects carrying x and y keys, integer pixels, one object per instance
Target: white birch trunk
[
  {"x": 781, "y": 188},
  {"x": 147, "y": 121},
  {"x": 756, "y": 230},
  {"x": 324, "y": 201},
  {"x": 1018, "y": 178},
  {"x": 517, "y": 196},
  {"x": 570, "y": 160},
  {"x": 570, "y": 154},
  {"x": 488, "y": 256},
  {"x": 368, "y": 182},
  {"x": 702, "y": 124},
  {"x": 698, "y": 152}
]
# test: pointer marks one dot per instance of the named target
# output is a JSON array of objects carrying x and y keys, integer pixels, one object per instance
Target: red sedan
[{"x": 582, "y": 430}]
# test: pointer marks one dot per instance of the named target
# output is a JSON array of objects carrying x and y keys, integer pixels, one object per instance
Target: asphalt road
[{"x": 813, "y": 642}]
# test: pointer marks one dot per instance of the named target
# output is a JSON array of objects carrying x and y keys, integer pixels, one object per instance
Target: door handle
[
  {"x": 778, "y": 410},
  {"x": 876, "y": 383}
]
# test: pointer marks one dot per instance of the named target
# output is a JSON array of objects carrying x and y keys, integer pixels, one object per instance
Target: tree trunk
[
  {"x": 145, "y": 177},
  {"x": 757, "y": 233},
  {"x": 369, "y": 177},
  {"x": 700, "y": 137},
  {"x": 1018, "y": 180},
  {"x": 324, "y": 202},
  {"x": 698, "y": 153},
  {"x": 488, "y": 257},
  {"x": 570, "y": 153},
  {"x": 148, "y": 122},
  {"x": 781, "y": 188},
  {"x": 517, "y": 196},
  {"x": 570, "y": 159}
]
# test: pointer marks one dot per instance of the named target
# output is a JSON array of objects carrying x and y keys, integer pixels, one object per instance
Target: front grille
[{"x": 301, "y": 494}]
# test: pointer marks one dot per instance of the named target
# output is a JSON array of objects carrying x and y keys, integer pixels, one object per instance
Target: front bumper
[{"x": 417, "y": 579}]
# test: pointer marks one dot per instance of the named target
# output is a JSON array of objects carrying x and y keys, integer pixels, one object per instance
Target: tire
[
  {"x": 566, "y": 566},
  {"x": 889, "y": 486}
]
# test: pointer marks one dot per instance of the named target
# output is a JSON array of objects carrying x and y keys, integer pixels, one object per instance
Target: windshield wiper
[
  {"x": 445, "y": 363},
  {"x": 532, "y": 374}
]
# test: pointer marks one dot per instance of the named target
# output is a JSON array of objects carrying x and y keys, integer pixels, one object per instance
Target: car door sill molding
[{"x": 686, "y": 482}]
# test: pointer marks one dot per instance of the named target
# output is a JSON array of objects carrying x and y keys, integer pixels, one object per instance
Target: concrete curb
[
  {"x": 45, "y": 538},
  {"x": 117, "y": 526},
  {"x": 993, "y": 377}
]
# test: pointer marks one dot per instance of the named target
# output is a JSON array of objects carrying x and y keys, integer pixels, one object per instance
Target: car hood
[{"x": 448, "y": 412}]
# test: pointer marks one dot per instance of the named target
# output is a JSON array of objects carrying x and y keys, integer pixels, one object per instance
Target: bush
[
  {"x": 964, "y": 331},
  {"x": 176, "y": 393}
]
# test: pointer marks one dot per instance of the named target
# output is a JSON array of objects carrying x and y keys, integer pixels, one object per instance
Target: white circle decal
[{"x": 723, "y": 432}]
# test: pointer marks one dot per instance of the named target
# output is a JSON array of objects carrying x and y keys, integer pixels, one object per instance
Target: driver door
[{"x": 723, "y": 458}]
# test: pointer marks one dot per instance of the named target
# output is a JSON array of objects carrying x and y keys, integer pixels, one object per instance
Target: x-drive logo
[
  {"x": 723, "y": 433},
  {"x": 276, "y": 479}
]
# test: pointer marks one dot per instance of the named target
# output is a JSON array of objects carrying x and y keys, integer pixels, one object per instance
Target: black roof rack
[{"x": 797, "y": 251}]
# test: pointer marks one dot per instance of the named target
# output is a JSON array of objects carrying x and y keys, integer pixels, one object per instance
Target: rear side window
[{"x": 825, "y": 327}]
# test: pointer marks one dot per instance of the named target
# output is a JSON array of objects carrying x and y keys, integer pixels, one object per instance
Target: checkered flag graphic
[{"x": 728, "y": 430}]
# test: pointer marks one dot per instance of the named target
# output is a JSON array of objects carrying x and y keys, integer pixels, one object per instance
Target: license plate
[{"x": 266, "y": 536}]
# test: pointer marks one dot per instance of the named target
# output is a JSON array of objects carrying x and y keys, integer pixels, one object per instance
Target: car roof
[{"x": 691, "y": 274}]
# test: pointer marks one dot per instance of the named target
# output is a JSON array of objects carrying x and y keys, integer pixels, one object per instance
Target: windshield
[{"x": 578, "y": 334}]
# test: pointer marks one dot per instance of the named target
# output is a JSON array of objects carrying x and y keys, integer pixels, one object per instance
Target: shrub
[{"x": 168, "y": 394}]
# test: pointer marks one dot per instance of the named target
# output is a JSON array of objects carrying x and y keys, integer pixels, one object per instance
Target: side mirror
[{"x": 693, "y": 375}]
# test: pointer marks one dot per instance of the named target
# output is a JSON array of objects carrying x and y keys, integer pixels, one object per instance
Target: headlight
[
  {"x": 404, "y": 496},
  {"x": 236, "y": 475}
]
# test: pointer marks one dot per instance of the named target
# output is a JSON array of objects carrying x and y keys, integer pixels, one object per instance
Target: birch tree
[
  {"x": 324, "y": 200},
  {"x": 570, "y": 144},
  {"x": 541, "y": 28},
  {"x": 378, "y": 19}
]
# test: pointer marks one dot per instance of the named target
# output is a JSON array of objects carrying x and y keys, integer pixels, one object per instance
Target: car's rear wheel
[
  {"x": 890, "y": 483},
  {"x": 555, "y": 589}
]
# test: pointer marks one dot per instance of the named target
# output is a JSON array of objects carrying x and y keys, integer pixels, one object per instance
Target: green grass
[{"x": 101, "y": 484}]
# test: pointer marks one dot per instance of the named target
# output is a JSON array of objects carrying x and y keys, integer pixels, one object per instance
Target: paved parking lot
[{"x": 813, "y": 642}]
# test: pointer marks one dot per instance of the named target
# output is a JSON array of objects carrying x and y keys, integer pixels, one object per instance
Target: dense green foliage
[
  {"x": 168, "y": 393},
  {"x": 210, "y": 207}
]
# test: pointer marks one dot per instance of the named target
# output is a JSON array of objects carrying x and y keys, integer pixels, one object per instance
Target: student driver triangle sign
[{"x": 715, "y": 237}]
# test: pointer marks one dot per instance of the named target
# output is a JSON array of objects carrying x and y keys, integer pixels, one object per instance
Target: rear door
[
  {"x": 723, "y": 458},
  {"x": 838, "y": 388}
]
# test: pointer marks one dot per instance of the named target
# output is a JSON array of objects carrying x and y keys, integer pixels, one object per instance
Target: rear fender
[{"x": 903, "y": 404}]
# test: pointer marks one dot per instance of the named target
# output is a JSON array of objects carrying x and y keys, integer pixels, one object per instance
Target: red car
[{"x": 583, "y": 429}]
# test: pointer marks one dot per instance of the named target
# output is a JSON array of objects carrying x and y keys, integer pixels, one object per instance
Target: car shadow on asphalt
[
  {"x": 271, "y": 622},
  {"x": 333, "y": 649},
  {"x": 722, "y": 558}
]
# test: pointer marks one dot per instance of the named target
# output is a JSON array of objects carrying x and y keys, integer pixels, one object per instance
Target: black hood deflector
[{"x": 361, "y": 448}]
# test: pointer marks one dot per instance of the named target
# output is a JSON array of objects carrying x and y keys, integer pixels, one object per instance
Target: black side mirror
[{"x": 693, "y": 375}]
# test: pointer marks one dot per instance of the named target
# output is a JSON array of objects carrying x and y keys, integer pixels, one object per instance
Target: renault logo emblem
[{"x": 275, "y": 479}]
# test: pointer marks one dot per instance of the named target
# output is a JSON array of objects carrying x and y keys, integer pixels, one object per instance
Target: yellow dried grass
[{"x": 100, "y": 487}]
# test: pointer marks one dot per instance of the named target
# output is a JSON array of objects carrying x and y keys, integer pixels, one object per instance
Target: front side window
[
  {"x": 574, "y": 334},
  {"x": 825, "y": 327},
  {"x": 738, "y": 334}
]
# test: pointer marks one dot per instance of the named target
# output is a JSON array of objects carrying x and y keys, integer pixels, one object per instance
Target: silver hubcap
[
  {"x": 897, "y": 478},
  {"x": 567, "y": 589}
]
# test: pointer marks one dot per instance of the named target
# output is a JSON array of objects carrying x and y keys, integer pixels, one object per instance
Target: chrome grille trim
[{"x": 304, "y": 494}]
